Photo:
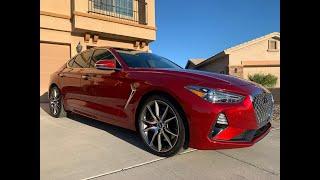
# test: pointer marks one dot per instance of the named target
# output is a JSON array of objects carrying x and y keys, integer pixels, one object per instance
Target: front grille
[{"x": 263, "y": 105}]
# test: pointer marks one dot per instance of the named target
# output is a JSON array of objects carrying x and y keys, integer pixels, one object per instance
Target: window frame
[
  {"x": 276, "y": 45},
  {"x": 114, "y": 10},
  {"x": 68, "y": 62}
]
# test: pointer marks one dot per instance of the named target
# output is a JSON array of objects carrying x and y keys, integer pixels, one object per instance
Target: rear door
[{"x": 71, "y": 82}]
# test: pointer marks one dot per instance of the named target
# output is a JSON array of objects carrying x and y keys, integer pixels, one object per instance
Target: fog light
[
  {"x": 222, "y": 119},
  {"x": 220, "y": 125}
]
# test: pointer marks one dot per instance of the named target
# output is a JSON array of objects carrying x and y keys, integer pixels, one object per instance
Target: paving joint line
[
  {"x": 253, "y": 165},
  {"x": 134, "y": 166}
]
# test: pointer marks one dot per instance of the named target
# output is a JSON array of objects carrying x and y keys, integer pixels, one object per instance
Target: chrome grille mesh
[{"x": 263, "y": 105}]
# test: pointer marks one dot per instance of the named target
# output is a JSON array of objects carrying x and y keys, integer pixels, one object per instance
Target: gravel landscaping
[
  {"x": 276, "y": 116},
  {"x": 276, "y": 112}
]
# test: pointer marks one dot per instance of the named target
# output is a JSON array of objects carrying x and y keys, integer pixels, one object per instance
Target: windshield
[{"x": 146, "y": 60}]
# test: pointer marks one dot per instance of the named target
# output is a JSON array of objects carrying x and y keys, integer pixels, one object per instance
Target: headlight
[{"x": 215, "y": 96}]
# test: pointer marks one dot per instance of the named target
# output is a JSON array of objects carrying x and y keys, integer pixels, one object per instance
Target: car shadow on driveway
[{"x": 124, "y": 134}]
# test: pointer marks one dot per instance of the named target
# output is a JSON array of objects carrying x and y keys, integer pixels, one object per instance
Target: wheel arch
[
  {"x": 176, "y": 104},
  {"x": 52, "y": 85}
]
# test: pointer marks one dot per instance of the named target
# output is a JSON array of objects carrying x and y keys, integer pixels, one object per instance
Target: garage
[{"x": 52, "y": 57}]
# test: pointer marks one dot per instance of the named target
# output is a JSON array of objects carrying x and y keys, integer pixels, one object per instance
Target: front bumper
[
  {"x": 243, "y": 128},
  {"x": 228, "y": 144}
]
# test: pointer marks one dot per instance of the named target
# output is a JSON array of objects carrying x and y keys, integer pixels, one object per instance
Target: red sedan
[{"x": 171, "y": 108}]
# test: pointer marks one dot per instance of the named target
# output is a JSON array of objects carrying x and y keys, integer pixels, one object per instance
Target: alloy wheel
[
  {"x": 159, "y": 126},
  {"x": 54, "y": 100}
]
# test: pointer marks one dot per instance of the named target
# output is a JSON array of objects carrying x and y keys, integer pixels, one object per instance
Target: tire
[
  {"x": 56, "y": 103},
  {"x": 162, "y": 131}
]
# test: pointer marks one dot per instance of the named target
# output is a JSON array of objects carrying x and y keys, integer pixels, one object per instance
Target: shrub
[{"x": 268, "y": 80}]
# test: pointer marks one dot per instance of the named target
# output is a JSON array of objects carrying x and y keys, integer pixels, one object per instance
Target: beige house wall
[
  {"x": 52, "y": 57},
  {"x": 191, "y": 66},
  {"x": 82, "y": 6},
  {"x": 48, "y": 35},
  {"x": 255, "y": 52},
  {"x": 261, "y": 59},
  {"x": 97, "y": 23},
  {"x": 220, "y": 64},
  {"x": 248, "y": 58},
  {"x": 151, "y": 13},
  {"x": 55, "y": 23},
  {"x": 110, "y": 25},
  {"x": 62, "y": 7},
  {"x": 65, "y": 22}
]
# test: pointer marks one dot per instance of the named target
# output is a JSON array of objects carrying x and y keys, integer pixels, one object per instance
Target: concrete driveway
[{"x": 82, "y": 148}]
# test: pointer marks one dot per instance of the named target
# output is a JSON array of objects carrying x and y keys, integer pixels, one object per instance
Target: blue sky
[{"x": 202, "y": 28}]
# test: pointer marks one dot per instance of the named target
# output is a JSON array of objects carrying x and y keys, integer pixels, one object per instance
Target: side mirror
[{"x": 106, "y": 64}]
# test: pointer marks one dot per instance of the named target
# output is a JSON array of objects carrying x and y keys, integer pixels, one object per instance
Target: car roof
[{"x": 123, "y": 50}]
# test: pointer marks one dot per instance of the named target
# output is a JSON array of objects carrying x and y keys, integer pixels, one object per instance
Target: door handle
[{"x": 85, "y": 77}]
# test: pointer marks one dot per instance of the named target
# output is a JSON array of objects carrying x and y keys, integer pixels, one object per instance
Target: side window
[
  {"x": 79, "y": 62},
  {"x": 100, "y": 54},
  {"x": 86, "y": 55},
  {"x": 82, "y": 60}
]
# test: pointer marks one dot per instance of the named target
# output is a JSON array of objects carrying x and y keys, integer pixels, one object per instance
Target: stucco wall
[
  {"x": 58, "y": 25},
  {"x": 255, "y": 52},
  {"x": 65, "y": 38},
  {"x": 220, "y": 64},
  {"x": 56, "y": 6},
  {"x": 151, "y": 13},
  {"x": 64, "y": 23},
  {"x": 258, "y": 53},
  {"x": 82, "y": 6},
  {"x": 49, "y": 22},
  {"x": 73, "y": 15},
  {"x": 64, "y": 7},
  {"x": 249, "y": 58},
  {"x": 92, "y": 23}
]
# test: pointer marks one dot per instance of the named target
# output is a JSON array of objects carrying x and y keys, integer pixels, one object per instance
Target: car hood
[
  {"x": 219, "y": 78},
  {"x": 206, "y": 78},
  {"x": 203, "y": 76}
]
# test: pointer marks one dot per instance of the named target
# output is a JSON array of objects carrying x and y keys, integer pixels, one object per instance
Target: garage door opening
[{"x": 52, "y": 57}]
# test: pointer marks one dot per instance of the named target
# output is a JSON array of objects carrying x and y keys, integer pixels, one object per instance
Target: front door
[{"x": 105, "y": 89}]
